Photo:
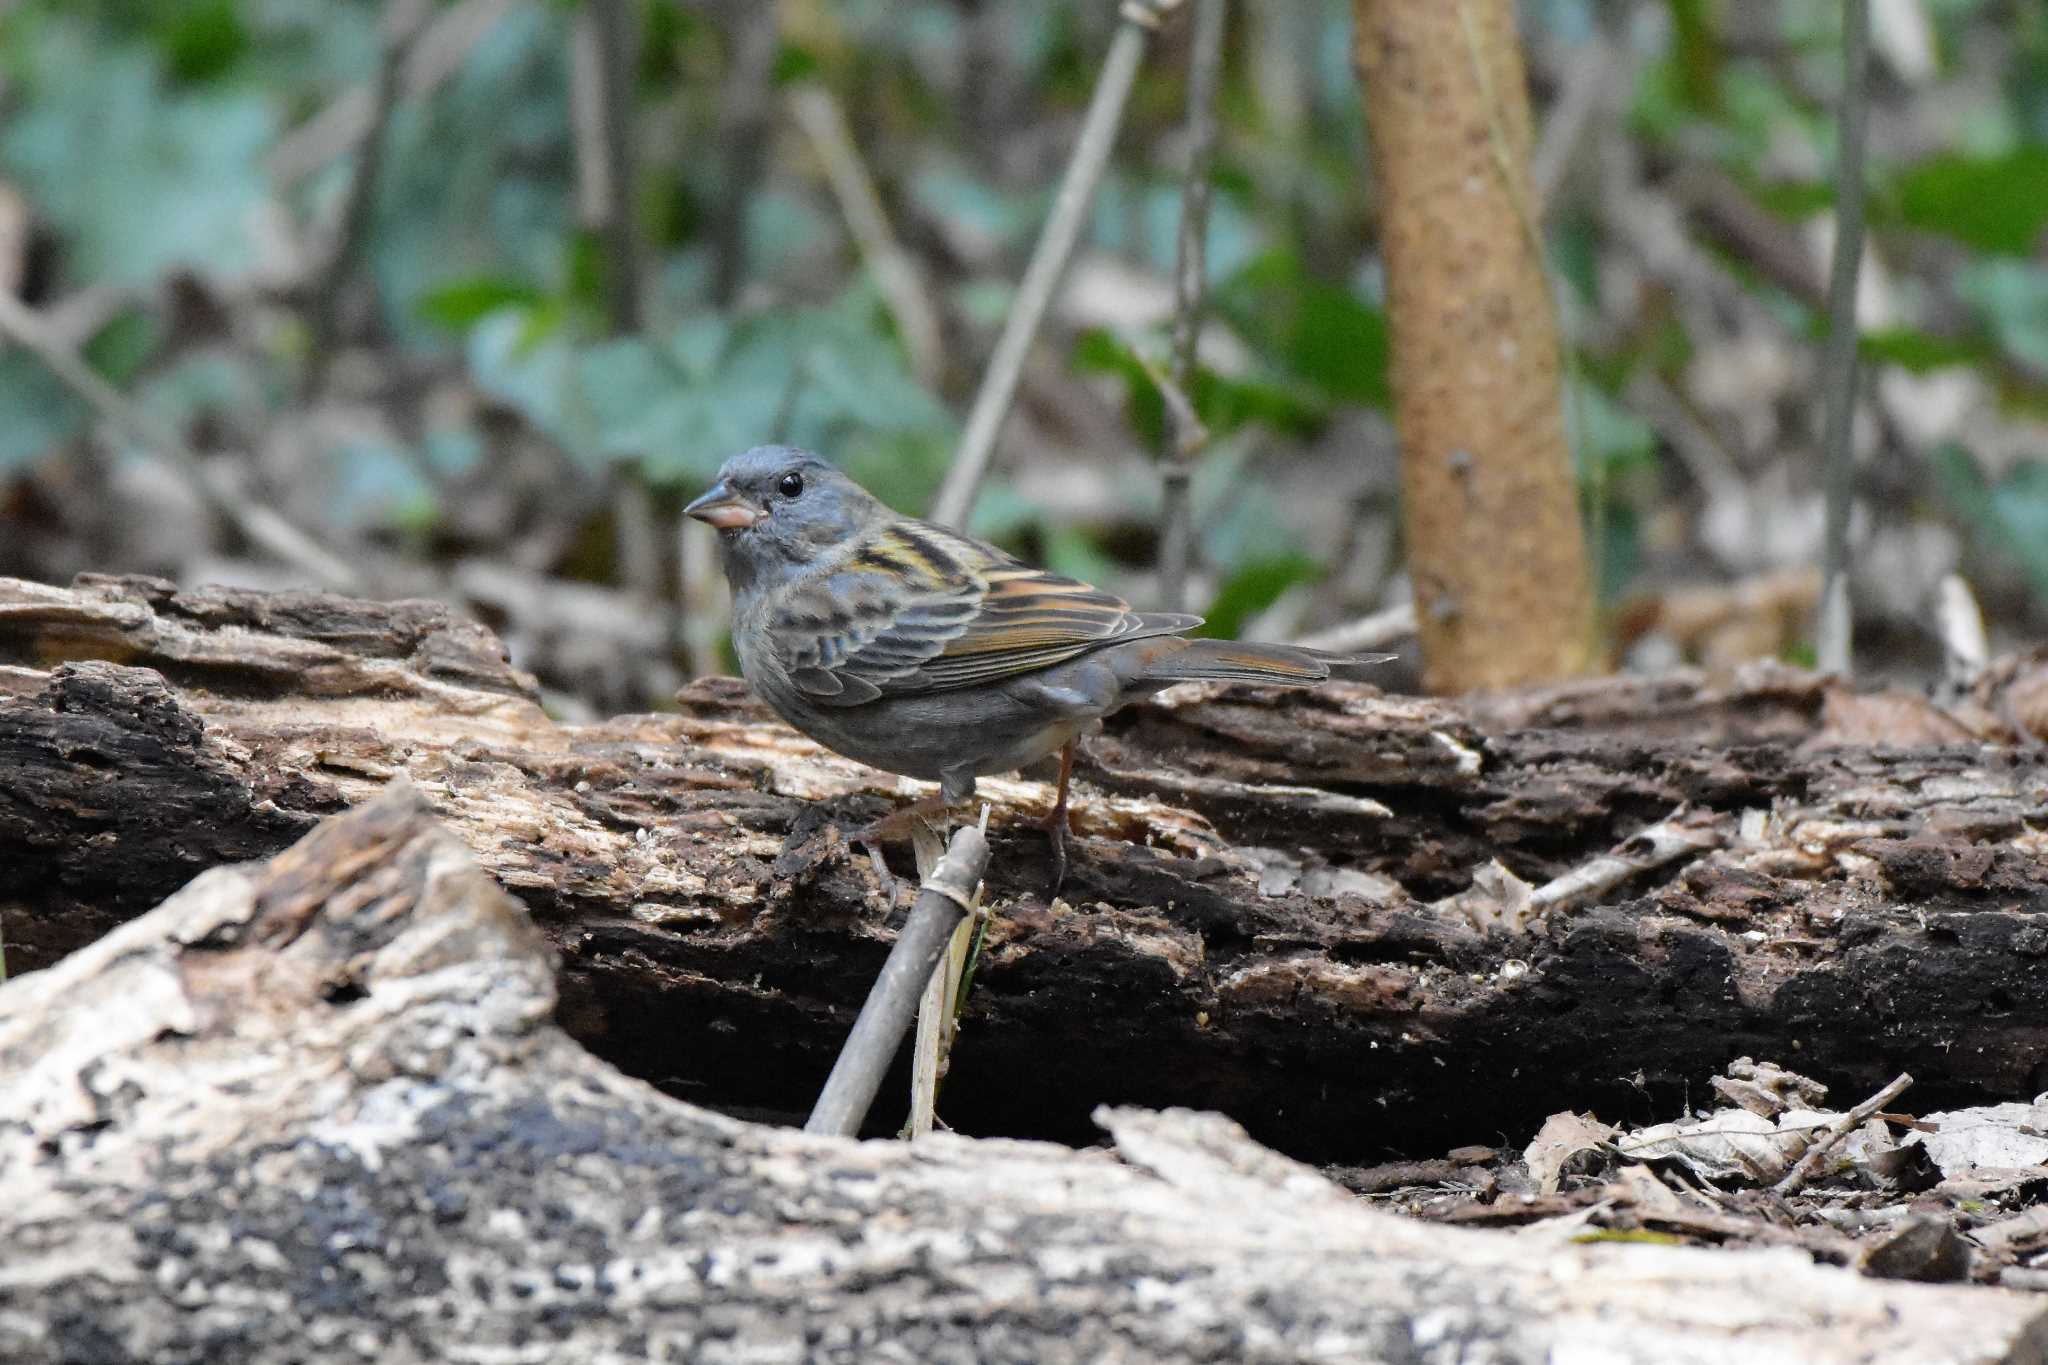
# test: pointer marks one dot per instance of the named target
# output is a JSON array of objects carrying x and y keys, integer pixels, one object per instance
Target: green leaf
[
  {"x": 1320, "y": 333},
  {"x": 140, "y": 178},
  {"x": 2012, "y": 298},
  {"x": 37, "y": 414},
  {"x": 517, "y": 357},
  {"x": 1223, "y": 404},
  {"x": 1996, "y": 204},
  {"x": 1920, "y": 352},
  {"x": 1253, "y": 587},
  {"x": 1097, "y": 351},
  {"x": 2012, "y": 513},
  {"x": 124, "y": 345},
  {"x": 461, "y": 304},
  {"x": 1605, "y": 434},
  {"x": 201, "y": 39}
]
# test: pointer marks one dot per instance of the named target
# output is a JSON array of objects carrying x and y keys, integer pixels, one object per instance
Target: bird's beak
[{"x": 723, "y": 508}]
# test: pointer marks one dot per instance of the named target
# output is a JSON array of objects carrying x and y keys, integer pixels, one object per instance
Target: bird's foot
[
  {"x": 1056, "y": 829},
  {"x": 1057, "y": 824}
]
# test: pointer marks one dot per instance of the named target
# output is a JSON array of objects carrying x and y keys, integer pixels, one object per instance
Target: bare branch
[
  {"x": 403, "y": 20},
  {"x": 263, "y": 526},
  {"x": 1834, "y": 642},
  {"x": 745, "y": 100},
  {"x": 1205, "y": 62},
  {"x": 1048, "y": 260},
  {"x": 336, "y": 129},
  {"x": 1848, "y": 1123},
  {"x": 818, "y": 113},
  {"x": 614, "y": 22}
]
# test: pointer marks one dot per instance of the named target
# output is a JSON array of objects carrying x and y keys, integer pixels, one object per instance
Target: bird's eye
[{"x": 791, "y": 485}]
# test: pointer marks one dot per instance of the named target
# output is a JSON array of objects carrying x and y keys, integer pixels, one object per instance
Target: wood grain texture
[{"x": 1282, "y": 905}]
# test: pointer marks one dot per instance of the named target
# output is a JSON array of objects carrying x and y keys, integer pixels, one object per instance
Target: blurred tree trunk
[{"x": 1494, "y": 540}]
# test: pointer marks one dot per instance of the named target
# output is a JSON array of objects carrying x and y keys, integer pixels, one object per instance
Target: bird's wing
[{"x": 916, "y": 608}]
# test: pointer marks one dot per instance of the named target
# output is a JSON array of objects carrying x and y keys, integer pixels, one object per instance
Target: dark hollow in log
[{"x": 1283, "y": 906}]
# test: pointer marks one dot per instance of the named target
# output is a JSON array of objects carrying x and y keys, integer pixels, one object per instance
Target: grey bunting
[{"x": 920, "y": 651}]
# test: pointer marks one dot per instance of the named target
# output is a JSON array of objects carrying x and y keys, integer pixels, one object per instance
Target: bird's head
[{"x": 780, "y": 505}]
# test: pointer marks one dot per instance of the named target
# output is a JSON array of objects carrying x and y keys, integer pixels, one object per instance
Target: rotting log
[
  {"x": 1283, "y": 906},
  {"x": 315, "y": 1110}
]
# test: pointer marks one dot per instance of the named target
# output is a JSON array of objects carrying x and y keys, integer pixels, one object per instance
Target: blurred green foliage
[{"x": 143, "y": 136}]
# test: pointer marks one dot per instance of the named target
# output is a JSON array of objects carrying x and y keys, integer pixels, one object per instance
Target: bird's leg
[{"x": 1057, "y": 825}]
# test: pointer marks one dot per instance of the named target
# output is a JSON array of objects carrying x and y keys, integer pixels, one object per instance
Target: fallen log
[
  {"x": 1361, "y": 925},
  {"x": 315, "y": 1110}
]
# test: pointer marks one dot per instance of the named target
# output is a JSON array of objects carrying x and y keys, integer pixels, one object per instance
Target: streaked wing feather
[{"x": 919, "y": 609}]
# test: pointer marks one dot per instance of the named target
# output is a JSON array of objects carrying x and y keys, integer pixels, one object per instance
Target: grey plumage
[{"x": 920, "y": 651}]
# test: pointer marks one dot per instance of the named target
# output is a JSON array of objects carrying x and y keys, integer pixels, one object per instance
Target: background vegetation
[{"x": 424, "y": 281}]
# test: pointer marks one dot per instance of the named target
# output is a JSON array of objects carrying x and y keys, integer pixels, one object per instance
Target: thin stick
[
  {"x": 927, "y": 1057},
  {"x": 1674, "y": 837},
  {"x": 403, "y": 21},
  {"x": 818, "y": 113},
  {"x": 745, "y": 97},
  {"x": 1834, "y": 642},
  {"x": 941, "y": 905},
  {"x": 263, "y": 526},
  {"x": 1205, "y": 62},
  {"x": 615, "y": 36},
  {"x": 1048, "y": 260},
  {"x": 1840, "y": 1128}
]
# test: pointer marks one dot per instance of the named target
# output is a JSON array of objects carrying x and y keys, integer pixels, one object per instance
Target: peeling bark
[
  {"x": 1284, "y": 906},
  {"x": 315, "y": 1111}
]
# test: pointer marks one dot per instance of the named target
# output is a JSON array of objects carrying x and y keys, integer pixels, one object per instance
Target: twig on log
[
  {"x": 1670, "y": 839},
  {"x": 818, "y": 113},
  {"x": 403, "y": 21},
  {"x": 1835, "y": 642},
  {"x": 1048, "y": 259},
  {"x": 946, "y": 899},
  {"x": 1839, "y": 1129},
  {"x": 1205, "y": 61},
  {"x": 264, "y": 527}
]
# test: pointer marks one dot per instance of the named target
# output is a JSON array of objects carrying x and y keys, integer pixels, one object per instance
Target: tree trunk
[
  {"x": 315, "y": 1111},
  {"x": 1502, "y": 592},
  {"x": 1282, "y": 905}
]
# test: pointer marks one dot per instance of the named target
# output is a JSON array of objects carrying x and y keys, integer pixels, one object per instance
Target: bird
[{"x": 920, "y": 651}]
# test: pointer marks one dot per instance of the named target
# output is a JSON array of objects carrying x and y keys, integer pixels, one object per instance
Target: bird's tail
[{"x": 1184, "y": 660}]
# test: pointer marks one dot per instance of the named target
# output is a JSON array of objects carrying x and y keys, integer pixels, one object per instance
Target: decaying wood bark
[
  {"x": 1283, "y": 906},
  {"x": 316, "y": 1110}
]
